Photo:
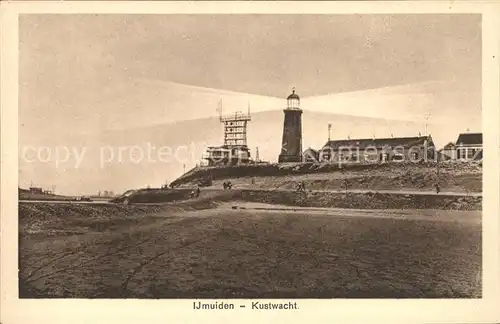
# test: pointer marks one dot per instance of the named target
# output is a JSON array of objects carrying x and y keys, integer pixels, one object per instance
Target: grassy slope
[
  {"x": 369, "y": 200},
  {"x": 453, "y": 176},
  {"x": 131, "y": 251},
  {"x": 362, "y": 200},
  {"x": 155, "y": 196}
]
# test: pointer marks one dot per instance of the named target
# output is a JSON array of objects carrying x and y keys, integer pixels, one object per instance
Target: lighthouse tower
[{"x": 291, "y": 148}]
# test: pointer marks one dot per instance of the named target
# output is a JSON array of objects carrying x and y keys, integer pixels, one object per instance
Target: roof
[
  {"x": 379, "y": 142},
  {"x": 228, "y": 147},
  {"x": 310, "y": 152},
  {"x": 449, "y": 145},
  {"x": 311, "y": 149},
  {"x": 293, "y": 96},
  {"x": 470, "y": 139}
]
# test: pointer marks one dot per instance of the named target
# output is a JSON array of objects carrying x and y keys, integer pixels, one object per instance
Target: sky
[{"x": 82, "y": 75}]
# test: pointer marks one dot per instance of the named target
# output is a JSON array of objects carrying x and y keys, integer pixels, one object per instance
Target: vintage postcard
[{"x": 181, "y": 161}]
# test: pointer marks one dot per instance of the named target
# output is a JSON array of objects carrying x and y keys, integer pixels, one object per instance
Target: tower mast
[
  {"x": 291, "y": 144},
  {"x": 219, "y": 109},
  {"x": 426, "y": 122}
]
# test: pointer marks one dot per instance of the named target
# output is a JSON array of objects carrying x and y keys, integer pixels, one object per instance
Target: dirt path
[
  {"x": 473, "y": 217},
  {"x": 394, "y": 192}
]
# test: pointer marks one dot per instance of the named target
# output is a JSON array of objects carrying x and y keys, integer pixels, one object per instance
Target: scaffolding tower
[
  {"x": 235, "y": 127},
  {"x": 234, "y": 149}
]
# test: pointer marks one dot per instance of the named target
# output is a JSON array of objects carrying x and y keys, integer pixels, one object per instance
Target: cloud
[{"x": 440, "y": 99}]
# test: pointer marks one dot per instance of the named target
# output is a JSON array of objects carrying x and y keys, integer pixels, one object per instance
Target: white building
[{"x": 469, "y": 146}]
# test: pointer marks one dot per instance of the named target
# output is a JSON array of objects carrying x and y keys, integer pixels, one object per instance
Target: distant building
[
  {"x": 378, "y": 150},
  {"x": 311, "y": 155},
  {"x": 227, "y": 155},
  {"x": 448, "y": 152},
  {"x": 469, "y": 146},
  {"x": 36, "y": 190}
]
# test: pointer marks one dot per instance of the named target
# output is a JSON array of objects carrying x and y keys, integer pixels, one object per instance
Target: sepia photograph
[
  {"x": 250, "y": 160},
  {"x": 250, "y": 156}
]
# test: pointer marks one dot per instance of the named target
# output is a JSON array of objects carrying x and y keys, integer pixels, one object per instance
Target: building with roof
[
  {"x": 36, "y": 190},
  {"x": 310, "y": 155},
  {"x": 448, "y": 152},
  {"x": 375, "y": 150},
  {"x": 469, "y": 146},
  {"x": 227, "y": 155}
]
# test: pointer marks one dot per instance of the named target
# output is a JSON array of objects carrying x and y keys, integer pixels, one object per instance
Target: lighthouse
[{"x": 291, "y": 144}]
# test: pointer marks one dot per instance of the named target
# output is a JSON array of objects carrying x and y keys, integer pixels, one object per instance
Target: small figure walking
[
  {"x": 437, "y": 188},
  {"x": 198, "y": 191},
  {"x": 345, "y": 184}
]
